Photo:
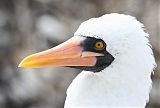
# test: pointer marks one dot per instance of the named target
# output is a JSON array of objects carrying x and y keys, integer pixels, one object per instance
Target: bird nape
[{"x": 116, "y": 62}]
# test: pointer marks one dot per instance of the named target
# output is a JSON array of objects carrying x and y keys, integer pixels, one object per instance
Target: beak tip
[
  {"x": 20, "y": 65},
  {"x": 23, "y": 62}
]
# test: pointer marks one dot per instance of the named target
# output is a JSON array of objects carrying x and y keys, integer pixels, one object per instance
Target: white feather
[{"x": 127, "y": 81}]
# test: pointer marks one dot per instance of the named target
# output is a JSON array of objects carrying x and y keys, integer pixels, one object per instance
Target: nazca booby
[{"x": 116, "y": 58}]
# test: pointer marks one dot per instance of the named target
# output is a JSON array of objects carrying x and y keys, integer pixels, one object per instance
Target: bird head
[{"x": 96, "y": 44}]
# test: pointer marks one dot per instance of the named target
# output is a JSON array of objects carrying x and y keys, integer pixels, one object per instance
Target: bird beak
[{"x": 69, "y": 53}]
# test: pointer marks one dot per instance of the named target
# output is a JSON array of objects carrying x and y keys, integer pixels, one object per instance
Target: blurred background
[{"x": 29, "y": 26}]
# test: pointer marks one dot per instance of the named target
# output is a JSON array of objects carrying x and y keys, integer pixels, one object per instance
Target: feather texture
[{"x": 127, "y": 81}]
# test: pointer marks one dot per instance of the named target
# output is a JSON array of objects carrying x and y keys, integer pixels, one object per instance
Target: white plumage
[{"x": 127, "y": 81}]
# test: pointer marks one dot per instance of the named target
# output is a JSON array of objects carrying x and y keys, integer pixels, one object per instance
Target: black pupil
[{"x": 98, "y": 44}]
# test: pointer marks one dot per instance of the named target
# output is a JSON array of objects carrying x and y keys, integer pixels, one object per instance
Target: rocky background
[{"x": 29, "y": 26}]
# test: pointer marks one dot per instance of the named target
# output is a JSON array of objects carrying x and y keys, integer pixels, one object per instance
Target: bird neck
[{"x": 117, "y": 85}]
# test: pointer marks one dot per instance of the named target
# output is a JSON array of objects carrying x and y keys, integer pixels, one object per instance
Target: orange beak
[{"x": 69, "y": 53}]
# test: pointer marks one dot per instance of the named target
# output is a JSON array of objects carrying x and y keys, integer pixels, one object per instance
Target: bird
[{"x": 115, "y": 56}]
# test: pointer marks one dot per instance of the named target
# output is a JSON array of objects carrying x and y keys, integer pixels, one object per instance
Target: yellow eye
[{"x": 99, "y": 45}]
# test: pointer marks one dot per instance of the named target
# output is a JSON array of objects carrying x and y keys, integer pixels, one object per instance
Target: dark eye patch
[{"x": 89, "y": 44}]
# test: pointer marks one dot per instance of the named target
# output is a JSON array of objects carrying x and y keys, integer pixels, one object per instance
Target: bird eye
[{"x": 99, "y": 45}]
